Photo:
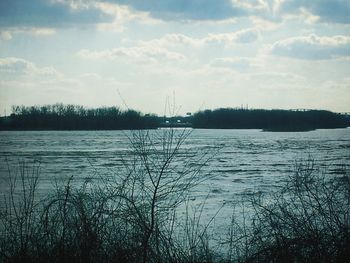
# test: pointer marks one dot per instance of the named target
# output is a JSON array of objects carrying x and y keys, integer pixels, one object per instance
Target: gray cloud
[
  {"x": 187, "y": 9},
  {"x": 313, "y": 47},
  {"x": 337, "y": 11},
  {"x": 60, "y": 13},
  {"x": 328, "y": 10},
  {"x": 46, "y": 13}
]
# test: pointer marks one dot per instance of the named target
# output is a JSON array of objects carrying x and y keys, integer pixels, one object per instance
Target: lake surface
[{"x": 245, "y": 161}]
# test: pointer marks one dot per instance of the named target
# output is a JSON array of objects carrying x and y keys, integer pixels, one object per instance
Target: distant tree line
[
  {"x": 75, "y": 117},
  {"x": 269, "y": 120}
]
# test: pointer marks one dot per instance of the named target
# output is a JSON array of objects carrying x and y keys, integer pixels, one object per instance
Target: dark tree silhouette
[
  {"x": 269, "y": 120},
  {"x": 75, "y": 117}
]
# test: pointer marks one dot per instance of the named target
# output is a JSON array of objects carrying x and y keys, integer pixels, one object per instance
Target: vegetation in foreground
[
  {"x": 74, "y": 117},
  {"x": 132, "y": 215}
]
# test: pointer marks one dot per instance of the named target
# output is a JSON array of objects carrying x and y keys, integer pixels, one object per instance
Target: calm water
[{"x": 248, "y": 160}]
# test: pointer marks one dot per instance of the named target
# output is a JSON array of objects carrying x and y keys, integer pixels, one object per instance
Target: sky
[{"x": 176, "y": 56}]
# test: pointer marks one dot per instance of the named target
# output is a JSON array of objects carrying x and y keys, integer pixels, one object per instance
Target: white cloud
[
  {"x": 308, "y": 17},
  {"x": 24, "y": 82},
  {"x": 160, "y": 49},
  {"x": 254, "y": 6},
  {"x": 6, "y": 35},
  {"x": 122, "y": 14},
  {"x": 265, "y": 24},
  {"x": 21, "y": 67},
  {"x": 42, "y": 31},
  {"x": 313, "y": 47},
  {"x": 278, "y": 79},
  {"x": 235, "y": 63},
  {"x": 171, "y": 40},
  {"x": 189, "y": 45},
  {"x": 244, "y": 36},
  {"x": 34, "y": 31},
  {"x": 96, "y": 80},
  {"x": 141, "y": 53}
]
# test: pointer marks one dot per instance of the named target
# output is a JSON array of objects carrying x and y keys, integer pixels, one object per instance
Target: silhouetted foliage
[
  {"x": 130, "y": 216},
  {"x": 75, "y": 117},
  {"x": 306, "y": 220},
  {"x": 270, "y": 120}
]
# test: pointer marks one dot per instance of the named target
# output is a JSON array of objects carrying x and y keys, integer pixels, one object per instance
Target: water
[{"x": 246, "y": 160}]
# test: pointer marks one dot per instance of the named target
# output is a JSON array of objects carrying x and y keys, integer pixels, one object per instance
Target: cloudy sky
[{"x": 204, "y": 53}]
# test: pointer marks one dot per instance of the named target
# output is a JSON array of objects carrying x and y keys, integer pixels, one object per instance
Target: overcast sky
[{"x": 204, "y": 53}]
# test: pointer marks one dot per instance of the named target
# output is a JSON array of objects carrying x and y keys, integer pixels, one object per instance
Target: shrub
[
  {"x": 307, "y": 220},
  {"x": 128, "y": 217}
]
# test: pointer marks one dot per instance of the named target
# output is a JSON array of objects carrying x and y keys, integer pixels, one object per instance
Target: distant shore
[{"x": 75, "y": 117}]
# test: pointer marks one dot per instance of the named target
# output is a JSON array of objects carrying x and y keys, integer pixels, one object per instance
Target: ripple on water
[{"x": 248, "y": 161}]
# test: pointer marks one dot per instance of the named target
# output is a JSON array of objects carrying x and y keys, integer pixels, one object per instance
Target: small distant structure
[
  {"x": 188, "y": 114},
  {"x": 176, "y": 122}
]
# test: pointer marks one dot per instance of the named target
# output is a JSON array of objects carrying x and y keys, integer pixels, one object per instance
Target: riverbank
[{"x": 75, "y": 117}]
